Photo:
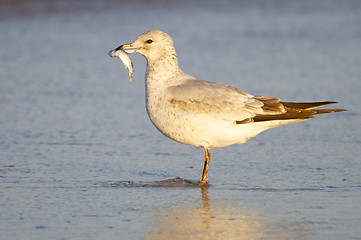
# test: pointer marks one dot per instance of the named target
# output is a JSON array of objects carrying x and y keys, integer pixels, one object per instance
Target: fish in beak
[{"x": 122, "y": 53}]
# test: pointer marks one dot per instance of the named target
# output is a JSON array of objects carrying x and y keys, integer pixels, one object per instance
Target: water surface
[{"x": 79, "y": 158}]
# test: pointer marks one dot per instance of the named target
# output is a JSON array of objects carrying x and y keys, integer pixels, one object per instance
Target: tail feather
[
  {"x": 322, "y": 111},
  {"x": 296, "y": 111},
  {"x": 308, "y": 106}
]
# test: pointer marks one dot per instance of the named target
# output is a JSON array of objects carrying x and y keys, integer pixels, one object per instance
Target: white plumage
[{"x": 202, "y": 113}]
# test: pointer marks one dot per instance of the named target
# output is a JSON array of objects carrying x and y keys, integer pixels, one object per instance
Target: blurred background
[{"x": 79, "y": 156}]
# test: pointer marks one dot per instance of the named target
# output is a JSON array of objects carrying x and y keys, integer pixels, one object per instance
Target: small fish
[{"x": 122, "y": 55}]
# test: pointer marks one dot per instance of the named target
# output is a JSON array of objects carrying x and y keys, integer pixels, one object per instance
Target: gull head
[{"x": 153, "y": 45}]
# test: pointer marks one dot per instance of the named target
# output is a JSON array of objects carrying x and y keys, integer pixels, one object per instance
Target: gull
[{"x": 202, "y": 113}]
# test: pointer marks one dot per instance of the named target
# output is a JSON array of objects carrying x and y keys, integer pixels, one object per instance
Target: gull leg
[{"x": 207, "y": 158}]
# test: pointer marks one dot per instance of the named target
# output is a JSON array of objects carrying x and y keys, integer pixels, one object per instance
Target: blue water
[{"x": 79, "y": 158}]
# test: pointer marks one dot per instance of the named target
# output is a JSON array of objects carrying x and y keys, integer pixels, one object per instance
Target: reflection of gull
[
  {"x": 204, "y": 219},
  {"x": 207, "y": 114},
  {"x": 211, "y": 219}
]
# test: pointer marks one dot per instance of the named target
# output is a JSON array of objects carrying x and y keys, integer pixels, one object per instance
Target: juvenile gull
[{"x": 207, "y": 114}]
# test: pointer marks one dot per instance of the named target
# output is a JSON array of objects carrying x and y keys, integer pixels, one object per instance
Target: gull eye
[{"x": 149, "y": 41}]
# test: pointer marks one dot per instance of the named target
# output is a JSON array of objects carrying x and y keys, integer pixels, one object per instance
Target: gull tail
[
  {"x": 301, "y": 111},
  {"x": 312, "y": 106}
]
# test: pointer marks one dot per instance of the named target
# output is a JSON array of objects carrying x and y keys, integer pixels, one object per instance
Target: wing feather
[
  {"x": 232, "y": 104},
  {"x": 220, "y": 101}
]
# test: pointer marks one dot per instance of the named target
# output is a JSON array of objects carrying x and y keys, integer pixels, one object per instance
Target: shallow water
[{"x": 79, "y": 158}]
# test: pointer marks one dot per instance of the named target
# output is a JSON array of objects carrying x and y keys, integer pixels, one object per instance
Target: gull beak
[{"x": 128, "y": 48}]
